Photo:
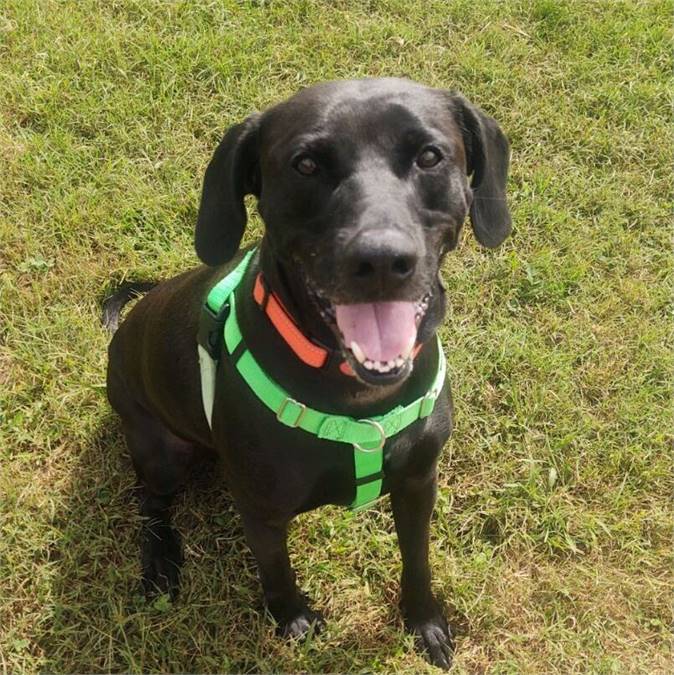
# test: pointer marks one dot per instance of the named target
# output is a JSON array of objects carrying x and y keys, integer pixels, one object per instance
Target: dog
[{"x": 363, "y": 187}]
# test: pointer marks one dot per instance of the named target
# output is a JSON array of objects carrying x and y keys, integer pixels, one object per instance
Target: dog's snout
[{"x": 381, "y": 259}]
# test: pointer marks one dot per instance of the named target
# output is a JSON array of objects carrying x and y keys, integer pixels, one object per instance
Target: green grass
[{"x": 552, "y": 537}]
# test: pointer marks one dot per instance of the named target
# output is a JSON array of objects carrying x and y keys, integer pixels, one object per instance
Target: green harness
[{"x": 366, "y": 436}]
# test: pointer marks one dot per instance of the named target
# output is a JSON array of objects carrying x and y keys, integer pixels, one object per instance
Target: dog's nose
[{"x": 381, "y": 259}]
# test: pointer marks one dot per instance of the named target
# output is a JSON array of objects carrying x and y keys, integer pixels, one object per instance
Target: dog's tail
[{"x": 113, "y": 304}]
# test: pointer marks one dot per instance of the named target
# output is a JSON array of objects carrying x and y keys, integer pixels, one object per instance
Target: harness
[{"x": 219, "y": 325}]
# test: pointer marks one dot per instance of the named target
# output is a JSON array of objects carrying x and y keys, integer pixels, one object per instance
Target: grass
[{"x": 552, "y": 537}]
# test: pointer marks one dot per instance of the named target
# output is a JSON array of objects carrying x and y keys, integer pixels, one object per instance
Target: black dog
[{"x": 363, "y": 187}]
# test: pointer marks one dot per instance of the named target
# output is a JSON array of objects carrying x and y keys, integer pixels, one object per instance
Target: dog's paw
[
  {"x": 435, "y": 638},
  {"x": 300, "y": 623},
  {"x": 427, "y": 622},
  {"x": 161, "y": 554}
]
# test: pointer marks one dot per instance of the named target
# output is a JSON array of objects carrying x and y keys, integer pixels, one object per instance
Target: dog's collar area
[
  {"x": 219, "y": 326},
  {"x": 307, "y": 350}
]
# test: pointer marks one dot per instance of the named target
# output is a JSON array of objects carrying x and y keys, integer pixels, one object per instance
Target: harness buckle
[
  {"x": 382, "y": 437},
  {"x": 428, "y": 403},
  {"x": 211, "y": 329},
  {"x": 290, "y": 404}
]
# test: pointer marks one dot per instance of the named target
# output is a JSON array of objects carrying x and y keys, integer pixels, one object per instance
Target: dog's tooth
[
  {"x": 408, "y": 349},
  {"x": 368, "y": 364},
  {"x": 391, "y": 364},
  {"x": 383, "y": 367},
  {"x": 399, "y": 362},
  {"x": 357, "y": 352}
]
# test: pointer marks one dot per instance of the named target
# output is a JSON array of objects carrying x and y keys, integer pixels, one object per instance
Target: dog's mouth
[{"x": 378, "y": 339}]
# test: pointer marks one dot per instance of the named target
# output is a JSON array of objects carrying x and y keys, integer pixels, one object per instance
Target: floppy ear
[
  {"x": 232, "y": 173},
  {"x": 487, "y": 159}
]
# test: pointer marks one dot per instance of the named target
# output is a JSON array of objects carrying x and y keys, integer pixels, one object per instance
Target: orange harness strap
[{"x": 307, "y": 351}]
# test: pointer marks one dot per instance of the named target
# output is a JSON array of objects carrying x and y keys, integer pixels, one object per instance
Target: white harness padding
[{"x": 208, "y": 367}]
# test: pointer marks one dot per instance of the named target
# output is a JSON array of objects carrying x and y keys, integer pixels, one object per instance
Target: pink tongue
[{"x": 383, "y": 330}]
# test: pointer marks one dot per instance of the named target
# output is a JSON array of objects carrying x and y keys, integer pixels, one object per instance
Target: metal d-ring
[{"x": 382, "y": 437}]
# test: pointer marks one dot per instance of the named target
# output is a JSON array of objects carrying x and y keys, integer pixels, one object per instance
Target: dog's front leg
[
  {"x": 412, "y": 499},
  {"x": 268, "y": 542}
]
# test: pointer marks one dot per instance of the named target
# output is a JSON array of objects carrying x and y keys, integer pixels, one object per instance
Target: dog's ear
[
  {"x": 487, "y": 159},
  {"x": 232, "y": 173}
]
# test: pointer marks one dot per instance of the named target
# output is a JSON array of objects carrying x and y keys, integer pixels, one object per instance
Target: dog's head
[{"x": 363, "y": 187}]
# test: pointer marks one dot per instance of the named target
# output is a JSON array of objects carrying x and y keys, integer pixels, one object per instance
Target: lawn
[{"x": 552, "y": 540}]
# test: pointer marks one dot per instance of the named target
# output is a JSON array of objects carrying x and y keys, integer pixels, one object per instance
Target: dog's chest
[{"x": 289, "y": 470}]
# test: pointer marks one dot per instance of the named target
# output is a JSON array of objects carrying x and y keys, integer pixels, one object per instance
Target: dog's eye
[
  {"x": 305, "y": 165},
  {"x": 428, "y": 157}
]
